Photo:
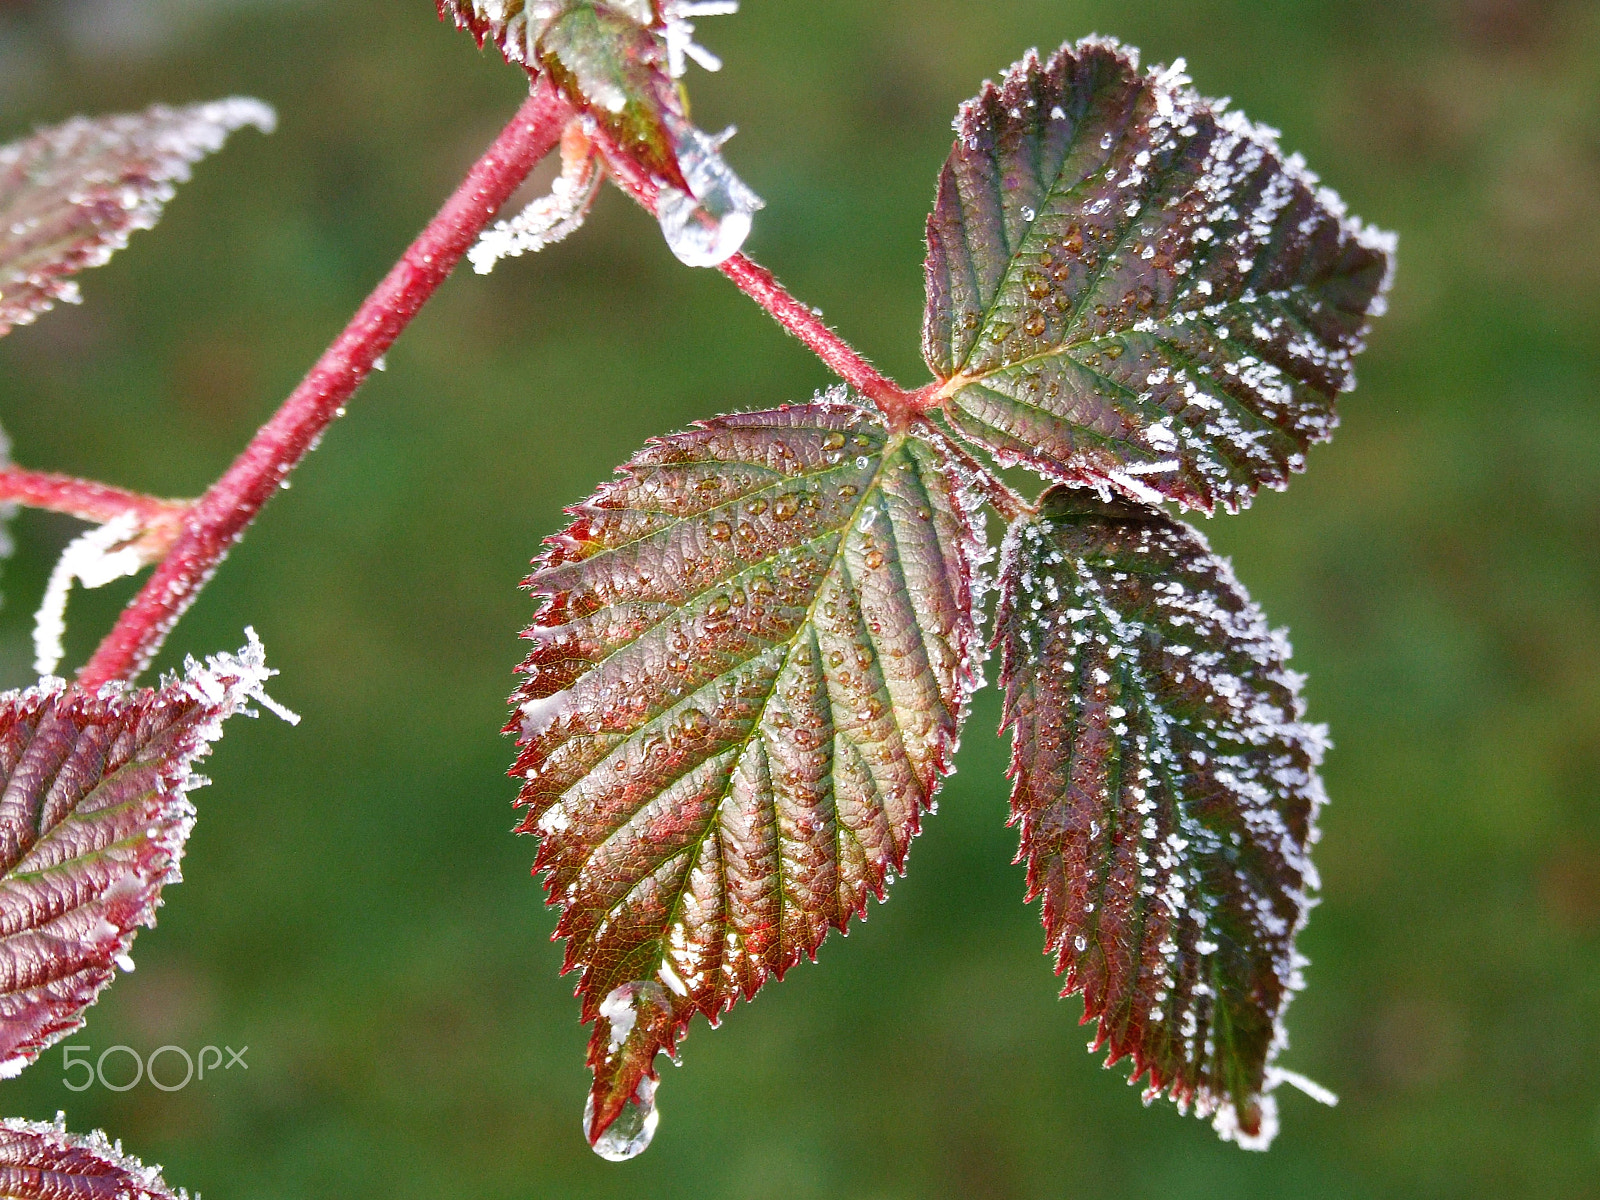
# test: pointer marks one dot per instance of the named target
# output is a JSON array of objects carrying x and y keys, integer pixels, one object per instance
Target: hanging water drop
[
  {"x": 707, "y": 225},
  {"x": 629, "y": 1135}
]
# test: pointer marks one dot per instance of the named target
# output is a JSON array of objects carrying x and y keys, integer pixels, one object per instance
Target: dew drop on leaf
[{"x": 630, "y": 1134}]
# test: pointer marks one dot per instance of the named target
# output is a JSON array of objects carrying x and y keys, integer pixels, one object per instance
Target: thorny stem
[
  {"x": 220, "y": 517},
  {"x": 804, "y": 322},
  {"x": 85, "y": 499}
]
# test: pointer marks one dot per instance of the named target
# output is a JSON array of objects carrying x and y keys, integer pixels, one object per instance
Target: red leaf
[
  {"x": 747, "y": 681},
  {"x": 1128, "y": 283},
  {"x": 70, "y": 195},
  {"x": 93, "y": 819},
  {"x": 45, "y": 1162},
  {"x": 1166, "y": 787}
]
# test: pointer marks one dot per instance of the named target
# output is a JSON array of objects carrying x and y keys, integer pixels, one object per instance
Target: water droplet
[
  {"x": 785, "y": 508},
  {"x": 874, "y": 559},
  {"x": 629, "y": 1135},
  {"x": 696, "y": 724},
  {"x": 848, "y": 490},
  {"x": 709, "y": 484},
  {"x": 707, "y": 228},
  {"x": 1034, "y": 326},
  {"x": 1113, "y": 351},
  {"x": 1037, "y": 284},
  {"x": 834, "y": 441},
  {"x": 721, "y": 531},
  {"x": 756, "y": 507},
  {"x": 1072, "y": 241},
  {"x": 719, "y": 606}
]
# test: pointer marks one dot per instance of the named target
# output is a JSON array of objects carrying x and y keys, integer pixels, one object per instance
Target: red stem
[
  {"x": 804, "y": 322},
  {"x": 83, "y": 498},
  {"x": 841, "y": 358},
  {"x": 220, "y": 517}
]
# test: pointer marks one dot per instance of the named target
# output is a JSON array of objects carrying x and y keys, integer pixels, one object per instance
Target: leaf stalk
[
  {"x": 220, "y": 517},
  {"x": 86, "y": 499}
]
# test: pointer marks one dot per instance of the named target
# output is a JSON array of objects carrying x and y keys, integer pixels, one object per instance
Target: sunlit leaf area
[{"x": 354, "y": 909}]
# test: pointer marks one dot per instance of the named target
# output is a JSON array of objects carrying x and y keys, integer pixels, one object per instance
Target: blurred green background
[{"x": 355, "y": 910}]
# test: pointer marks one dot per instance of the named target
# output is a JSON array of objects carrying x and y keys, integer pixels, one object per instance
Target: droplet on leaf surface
[
  {"x": 630, "y": 1134},
  {"x": 707, "y": 227}
]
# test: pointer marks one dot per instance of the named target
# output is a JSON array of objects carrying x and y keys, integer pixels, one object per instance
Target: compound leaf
[
  {"x": 1167, "y": 791},
  {"x": 1128, "y": 284},
  {"x": 93, "y": 820},
  {"x": 748, "y": 678},
  {"x": 45, "y": 1162},
  {"x": 70, "y": 195}
]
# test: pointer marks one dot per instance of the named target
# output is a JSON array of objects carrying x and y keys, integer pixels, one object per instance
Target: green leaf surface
[
  {"x": 1127, "y": 283},
  {"x": 748, "y": 677},
  {"x": 71, "y": 195},
  {"x": 1166, "y": 788},
  {"x": 45, "y": 1162}
]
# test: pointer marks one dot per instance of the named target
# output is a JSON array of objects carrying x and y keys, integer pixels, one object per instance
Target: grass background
[{"x": 355, "y": 910}]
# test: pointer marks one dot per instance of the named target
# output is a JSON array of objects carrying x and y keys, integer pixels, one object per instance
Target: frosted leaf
[
  {"x": 40, "y": 1161},
  {"x": 1167, "y": 789},
  {"x": 1129, "y": 285},
  {"x": 94, "y": 815},
  {"x": 747, "y": 680},
  {"x": 70, "y": 195}
]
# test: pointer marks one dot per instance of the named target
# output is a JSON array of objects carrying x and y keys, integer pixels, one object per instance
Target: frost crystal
[
  {"x": 550, "y": 218},
  {"x": 96, "y": 558},
  {"x": 680, "y": 31}
]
